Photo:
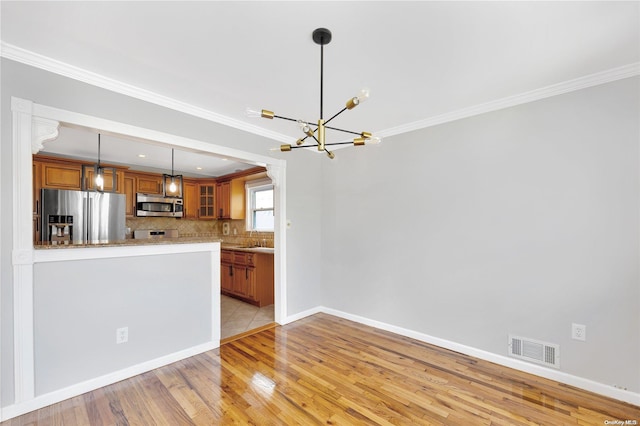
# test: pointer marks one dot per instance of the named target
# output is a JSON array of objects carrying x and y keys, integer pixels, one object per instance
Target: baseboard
[
  {"x": 558, "y": 376},
  {"x": 41, "y": 401},
  {"x": 303, "y": 314}
]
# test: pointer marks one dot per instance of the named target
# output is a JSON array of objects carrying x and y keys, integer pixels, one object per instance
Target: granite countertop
[
  {"x": 131, "y": 242},
  {"x": 156, "y": 241},
  {"x": 239, "y": 247}
]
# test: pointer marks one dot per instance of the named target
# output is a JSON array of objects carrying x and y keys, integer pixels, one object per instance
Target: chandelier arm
[
  {"x": 338, "y": 143},
  {"x": 303, "y": 146},
  {"x": 342, "y": 130},
  {"x": 335, "y": 115},
  {"x": 284, "y": 118}
]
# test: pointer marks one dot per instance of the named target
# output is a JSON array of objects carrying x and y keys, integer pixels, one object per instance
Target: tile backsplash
[{"x": 203, "y": 228}]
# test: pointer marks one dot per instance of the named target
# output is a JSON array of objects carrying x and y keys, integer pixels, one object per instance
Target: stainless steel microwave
[{"x": 157, "y": 205}]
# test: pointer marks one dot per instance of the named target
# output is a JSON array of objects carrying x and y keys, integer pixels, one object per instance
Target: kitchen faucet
[{"x": 255, "y": 243}]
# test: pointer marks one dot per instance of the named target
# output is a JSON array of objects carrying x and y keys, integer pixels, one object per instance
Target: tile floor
[{"x": 237, "y": 317}]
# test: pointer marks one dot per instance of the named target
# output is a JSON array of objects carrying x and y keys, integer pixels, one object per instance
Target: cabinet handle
[
  {"x": 230, "y": 270},
  {"x": 246, "y": 274},
  {"x": 220, "y": 215}
]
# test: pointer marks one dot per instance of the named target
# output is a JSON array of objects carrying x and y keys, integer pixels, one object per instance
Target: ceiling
[{"x": 419, "y": 59}]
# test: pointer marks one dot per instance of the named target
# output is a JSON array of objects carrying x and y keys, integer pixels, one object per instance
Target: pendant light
[
  {"x": 93, "y": 176},
  {"x": 99, "y": 171},
  {"x": 174, "y": 188},
  {"x": 322, "y": 36}
]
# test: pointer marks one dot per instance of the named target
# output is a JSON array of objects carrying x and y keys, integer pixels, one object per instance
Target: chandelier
[{"x": 322, "y": 36}]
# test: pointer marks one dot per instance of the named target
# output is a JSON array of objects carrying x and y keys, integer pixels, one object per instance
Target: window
[{"x": 260, "y": 215}]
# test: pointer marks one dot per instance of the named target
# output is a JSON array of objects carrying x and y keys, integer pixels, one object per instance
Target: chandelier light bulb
[
  {"x": 363, "y": 95},
  {"x": 374, "y": 140},
  {"x": 252, "y": 112},
  {"x": 99, "y": 181},
  {"x": 306, "y": 129},
  {"x": 172, "y": 186}
]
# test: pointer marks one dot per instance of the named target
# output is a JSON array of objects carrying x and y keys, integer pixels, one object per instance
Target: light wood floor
[{"x": 326, "y": 370}]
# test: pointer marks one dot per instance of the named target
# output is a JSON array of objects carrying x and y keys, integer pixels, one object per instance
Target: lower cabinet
[{"x": 247, "y": 276}]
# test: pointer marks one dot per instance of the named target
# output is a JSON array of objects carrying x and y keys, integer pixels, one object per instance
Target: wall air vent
[{"x": 535, "y": 351}]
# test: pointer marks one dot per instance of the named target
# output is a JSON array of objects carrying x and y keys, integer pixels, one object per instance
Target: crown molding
[
  {"x": 590, "y": 80},
  {"x": 46, "y": 63},
  {"x": 27, "y": 57}
]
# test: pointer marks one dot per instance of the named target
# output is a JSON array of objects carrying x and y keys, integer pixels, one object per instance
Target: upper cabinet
[
  {"x": 207, "y": 199},
  {"x": 58, "y": 176},
  {"x": 230, "y": 199},
  {"x": 190, "y": 199},
  {"x": 148, "y": 183},
  {"x": 129, "y": 185}
]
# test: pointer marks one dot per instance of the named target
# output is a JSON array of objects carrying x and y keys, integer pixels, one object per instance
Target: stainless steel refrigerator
[{"x": 82, "y": 217}]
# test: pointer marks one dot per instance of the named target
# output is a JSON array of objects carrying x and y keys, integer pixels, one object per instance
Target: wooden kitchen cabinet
[
  {"x": 129, "y": 185},
  {"x": 247, "y": 276},
  {"x": 226, "y": 271},
  {"x": 59, "y": 176},
  {"x": 230, "y": 199},
  {"x": 149, "y": 183},
  {"x": 190, "y": 199},
  {"x": 207, "y": 199}
]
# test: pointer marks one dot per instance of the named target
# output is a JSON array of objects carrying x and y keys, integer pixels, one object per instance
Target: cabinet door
[
  {"x": 230, "y": 198},
  {"x": 207, "y": 200},
  {"x": 239, "y": 280},
  {"x": 191, "y": 206},
  {"x": 58, "y": 176},
  {"x": 149, "y": 184},
  {"x": 129, "y": 184},
  {"x": 226, "y": 277},
  {"x": 223, "y": 198},
  {"x": 250, "y": 283}
]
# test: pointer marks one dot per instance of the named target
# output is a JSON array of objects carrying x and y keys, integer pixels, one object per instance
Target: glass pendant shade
[
  {"x": 99, "y": 179},
  {"x": 172, "y": 184}
]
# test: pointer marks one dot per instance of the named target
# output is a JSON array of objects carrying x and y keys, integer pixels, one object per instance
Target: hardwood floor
[{"x": 326, "y": 370}]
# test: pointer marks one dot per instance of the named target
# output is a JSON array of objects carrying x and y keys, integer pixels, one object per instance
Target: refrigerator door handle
[{"x": 87, "y": 218}]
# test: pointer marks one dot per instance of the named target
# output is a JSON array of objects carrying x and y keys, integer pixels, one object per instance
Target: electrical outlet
[
  {"x": 122, "y": 335},
  {"x": 578, "y": 332}
]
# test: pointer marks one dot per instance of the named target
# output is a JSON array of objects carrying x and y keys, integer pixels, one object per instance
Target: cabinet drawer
[
  {"x": 240, "y": 257},
  {"x": 226, "y": 256}
]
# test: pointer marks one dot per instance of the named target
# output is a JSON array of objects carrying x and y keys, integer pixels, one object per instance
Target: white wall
[
  {"x": 165, "y": 301},
  {"x": 303, "y": 274},
  {"x": 518, "y": 221}
]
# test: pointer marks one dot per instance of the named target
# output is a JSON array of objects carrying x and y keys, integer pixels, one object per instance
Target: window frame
[{"x": 251, "y": 188}]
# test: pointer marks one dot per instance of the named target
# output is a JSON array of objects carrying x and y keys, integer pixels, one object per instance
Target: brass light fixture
[
  {"x": 174, "y": 189},
  {"x": 322, "y": 36}
]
